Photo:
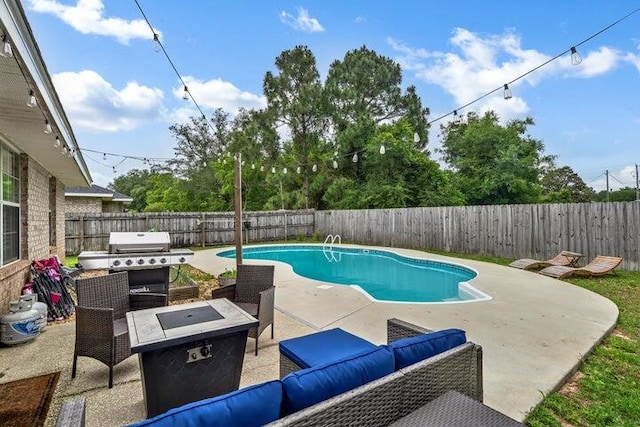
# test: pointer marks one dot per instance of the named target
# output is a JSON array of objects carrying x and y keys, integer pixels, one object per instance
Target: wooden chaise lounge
[
  {"x": 564, "y": 258},
  {"x": 599, "y": 266}
]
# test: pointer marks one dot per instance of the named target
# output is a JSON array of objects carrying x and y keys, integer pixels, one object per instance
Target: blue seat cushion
[
  {"x": 408, "y": 351},
  {"x": 323, "y": 347},
  {"x": 307, "y": 387},
  {"x": 251, "y": 406}
]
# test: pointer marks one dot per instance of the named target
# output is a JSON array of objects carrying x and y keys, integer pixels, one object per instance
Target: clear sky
[{"x": 121, "y": 96}]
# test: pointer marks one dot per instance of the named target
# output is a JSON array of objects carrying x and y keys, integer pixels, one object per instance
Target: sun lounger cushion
[
  {"x": 323, "y": 347},
  {"x": 307, "y": 387},
  {"x": 251, "y": 406},
  {"x": 408, "y": 351}
]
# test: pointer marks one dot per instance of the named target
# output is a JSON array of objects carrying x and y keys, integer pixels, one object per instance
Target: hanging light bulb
[
  {"x": 185, "y": 94},
  {"x": 298, "y": 170},
  {"x": 416, "y": 137},
  {"x": 575, "y": 56},
  {"x": 284, "y": 171},
  {"x": 157, "y": 47},
  {"x": 354, "y": 159},
  {"x": 114, "y": 169},
  {"x": 456, "y": 118},
  {"x": 64, "y": 150},
  {"x": 32, "y": 99},
  {"x": 382, "y": 149},
  {"x": 335, "y": 164},
  {"x": 314, "y": 168},
  {"x": 262, "y": 168},
  {"x": 6, "y": 47},
  {"x": 507, "y": 92},
  {"x": 71, "y": 152},
  {"x": 56, "y": 143},
  {"x": 224, "y": 161},
  {"x": 104, "y": 156},
  {"x": 273, "y": 169},
  {"x": 47, "y": 127},
  {"x": 253, "y": 165}
]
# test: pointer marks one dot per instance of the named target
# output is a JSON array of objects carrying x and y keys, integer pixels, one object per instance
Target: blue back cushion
[
  {"x": 323, "y": 347},
  {"x": 312, "y": 385},
  {"x": 251, "y": 406},
  {"x": 408, "y": 351}
]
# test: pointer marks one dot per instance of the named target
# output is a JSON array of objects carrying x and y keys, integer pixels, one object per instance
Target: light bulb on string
[
  {"x": 185, "y": 94},
  {"x": 576, "y": 59},
  {"x": 335, "y": 164},
  {"x": 253, "y": 165},
  {"x": 47, "y": 127},
  {"x": 354, "y": 159},
  {"x": 32, "y": 102},
  {"x": 104, "y": 156},
  {"x": 273, "y": 169},
  {"x": 416, "y": 137},
  {"x": 71, "y": 152},
  {"x": 64, "y": 150},
  {"x": 456, "y": 118},
  {"x": 56, "y": 143},
  {"x": 507, "y": 92},
  {"x": 382, "y": 149},
  {"x": 314, "y": 168},
  {"x": 284, "y": 171},
  {"x": 298, "y": 170},
  {"x": 261, "y": 168},
  {"x": 114, "y": 169},
  {"x": 6, "y": 47},
  {"x": 157, "y": 47}
]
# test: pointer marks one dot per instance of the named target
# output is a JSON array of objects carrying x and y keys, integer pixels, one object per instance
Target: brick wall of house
[
  {"x": 83, "y": 205},
  {"x": 34, "y": 229},
  {"x": 112, "y": 206},
  {"x": 61, "y": 210}
]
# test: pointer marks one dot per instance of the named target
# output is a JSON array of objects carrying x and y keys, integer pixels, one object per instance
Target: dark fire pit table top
[{"x": 163, "y": 327}]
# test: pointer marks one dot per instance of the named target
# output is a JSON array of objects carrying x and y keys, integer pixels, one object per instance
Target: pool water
[{"x": 384, "y": 276}]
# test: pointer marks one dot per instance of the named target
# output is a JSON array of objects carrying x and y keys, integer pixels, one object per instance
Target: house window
[{"x": 10, "y": 202}]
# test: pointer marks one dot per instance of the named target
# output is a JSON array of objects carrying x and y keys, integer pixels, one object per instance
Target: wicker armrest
[
  {"x": 142, "y": 300},
  {"x": 93, "y": 321},
  {"x": 228, "y": 292},
  {"x": 398, "y": 329}
]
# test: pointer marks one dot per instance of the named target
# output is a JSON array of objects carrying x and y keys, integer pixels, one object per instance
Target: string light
[
  {"x": 157, "y": 47},
  {"x": 382, "y": 149},
  {"x": 6, "y": 47},
  {"x": 416, "y": 137},
  {"x": 314, "y": 168},
  {"x": 47, "y": 127},
  {"x": 104, "y": 156},
  {"x": 185, "y": 94},
  {"x": 298, "y": 170},
  {"x": 32, "y": 102},
  {"x": 335, "y": 164},
  {"x": 576, "y": 59},
  {"x": 507, "y": 92},
  {"x": 354, "y": 159},
  {"x": 456, "y": 117},
  {"x": 56, "y": 143}
]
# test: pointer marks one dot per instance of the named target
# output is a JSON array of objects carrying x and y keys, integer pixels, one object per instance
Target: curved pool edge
[{"x": 464, "y": 286}]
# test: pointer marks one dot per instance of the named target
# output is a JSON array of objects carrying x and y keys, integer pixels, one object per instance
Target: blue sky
[{"x": 121, "y": 96}]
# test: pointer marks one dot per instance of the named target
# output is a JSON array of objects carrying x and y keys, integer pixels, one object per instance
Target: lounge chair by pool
[
  {"x": 599, "y": 266},
  {"x": 563, "y": 258}
]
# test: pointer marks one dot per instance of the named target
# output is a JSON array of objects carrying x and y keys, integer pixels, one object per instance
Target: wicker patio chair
[
  {"x": 254, "y": 292},
  {"x": 597, "y": 267},
  {"x": 563, "y": 258},
  {"x": 101, "y": 325}
]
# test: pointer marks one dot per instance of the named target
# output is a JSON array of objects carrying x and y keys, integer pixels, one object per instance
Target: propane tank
[
  {"x": 40, "y": 307},
  {"x": 20, "y": 325}
]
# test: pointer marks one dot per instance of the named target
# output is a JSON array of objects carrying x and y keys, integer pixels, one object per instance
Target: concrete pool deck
[{"x": 534, "y": 331}]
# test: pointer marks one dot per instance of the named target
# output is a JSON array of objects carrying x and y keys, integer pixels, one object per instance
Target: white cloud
[
  {"x": 360, "y": 19},
  {"x": 477, "y": 65},
  {"x": 93, "y": 103},
  {"x": 217, "y": 93},
  {"x": 87, "y": 17},
  {"x": 302, "y": 22}
]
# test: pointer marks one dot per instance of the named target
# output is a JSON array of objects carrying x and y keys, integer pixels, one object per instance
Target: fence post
[
  {"x": 203, "y": 228},
  {"x": 81, "y": 225}
]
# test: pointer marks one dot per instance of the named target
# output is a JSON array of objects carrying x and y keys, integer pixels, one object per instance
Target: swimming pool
[{"x": 381, "y": 275}]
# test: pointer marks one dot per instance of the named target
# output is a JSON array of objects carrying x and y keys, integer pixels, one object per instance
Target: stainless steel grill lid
[{"x": 131, "y": 242}]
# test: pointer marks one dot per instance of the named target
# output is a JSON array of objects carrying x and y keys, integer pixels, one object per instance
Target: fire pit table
[{"x": 189, "y": 352}]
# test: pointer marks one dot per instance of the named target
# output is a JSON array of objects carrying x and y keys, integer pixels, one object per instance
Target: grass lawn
[{"x": 606, "y": 390}]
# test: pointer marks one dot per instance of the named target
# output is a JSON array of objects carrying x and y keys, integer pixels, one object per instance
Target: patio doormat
[{"x": 26, "y": 402}]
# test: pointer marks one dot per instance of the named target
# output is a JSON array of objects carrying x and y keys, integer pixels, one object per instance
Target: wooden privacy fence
[
  {"x": 511, "y": 231},
  {"x": 90, "y": 232}
]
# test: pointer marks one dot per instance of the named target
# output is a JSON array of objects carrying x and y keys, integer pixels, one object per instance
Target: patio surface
[{"x": 534, "y": 332}]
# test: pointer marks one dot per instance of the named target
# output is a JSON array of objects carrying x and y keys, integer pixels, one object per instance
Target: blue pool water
[{"x": 385, "y": 276}]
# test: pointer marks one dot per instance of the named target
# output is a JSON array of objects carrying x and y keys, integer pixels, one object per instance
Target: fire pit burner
[{"x": 189, "y": 316}]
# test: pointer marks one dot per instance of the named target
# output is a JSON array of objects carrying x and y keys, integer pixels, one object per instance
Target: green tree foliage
[
  {"x": 493, "y": 163},
  {"x": 624, "y": 194},
  {"x": 563, "y": 185},
  {"x": 135, "y": 183}
]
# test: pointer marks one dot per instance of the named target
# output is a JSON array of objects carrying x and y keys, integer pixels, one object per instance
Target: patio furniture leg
[
  {"x": 73, "y": 368},
  {"x": 110, "y": 376},
  {"x": 256, "y": 345},
  {"x": 272, "y": 331}
]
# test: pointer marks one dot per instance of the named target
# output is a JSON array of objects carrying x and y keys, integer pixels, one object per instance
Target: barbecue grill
[{"x": 145, "y": 256}]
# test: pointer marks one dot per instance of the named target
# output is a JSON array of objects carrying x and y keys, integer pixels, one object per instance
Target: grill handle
[{"x": 140, "y": 249}]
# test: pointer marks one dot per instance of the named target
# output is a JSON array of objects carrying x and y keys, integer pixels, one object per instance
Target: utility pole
[
  {"x": 637, "y": 185},
  {"x": 237, "y": 204},
  {"x": 606, "y": 174}
]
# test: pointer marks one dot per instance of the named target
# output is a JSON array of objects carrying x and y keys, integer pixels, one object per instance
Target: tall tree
[
  {"x": 296, "y": 100},
  {"x": 493, "y": 163},
  {"x": 135, "y": 183},
  {"x": 563, "y": 185}
]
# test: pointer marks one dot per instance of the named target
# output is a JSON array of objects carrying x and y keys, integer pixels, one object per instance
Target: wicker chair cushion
[
  {"x": 251, "y": 406},
  {"x": 408, "y": 351},
  {"x": 323, "y": 347},
  {"x": 312, "y": 385}
]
